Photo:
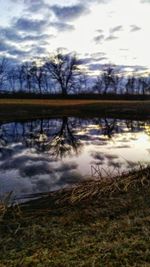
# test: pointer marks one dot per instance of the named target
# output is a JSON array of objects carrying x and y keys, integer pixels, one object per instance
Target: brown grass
[
  {"x": 24, "y": 109},
  {"x": 95, "y": 224},
  {"x": 68, "y": 102}
]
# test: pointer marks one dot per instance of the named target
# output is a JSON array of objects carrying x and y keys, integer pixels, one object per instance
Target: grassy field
[
  {"x": 96, "y": 224},
  {"x": 20, "y": 109}
]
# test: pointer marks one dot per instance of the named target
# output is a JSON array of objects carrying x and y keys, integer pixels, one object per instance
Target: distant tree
[
  {"x": 3, "y": 71},
  {"x": 20, "y": 77},
  {"x": 37, "y": 73},
  {"x": 98, "y": 86},
  {"x": 26, "y": 68},
  {"x": 143, "y": 85},
  {"x": 130, "y": 85},
  {"x": 63, "y": 69},
  {"x": 12, "y": 79},
  {"x": 109, "y": 79}
]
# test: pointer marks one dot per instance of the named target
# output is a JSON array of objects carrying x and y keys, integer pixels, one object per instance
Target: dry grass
[
  {"x": 67, "y": 102},
  {"x": 23, "y": 109},
  {"x": 97, "y": 223}
]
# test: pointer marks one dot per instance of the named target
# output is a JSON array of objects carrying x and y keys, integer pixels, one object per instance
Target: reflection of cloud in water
[
  {"x": 98, "y": 156},
  {"x": 27, "y": 170},
  {"x": 70, "y": 178},
  {"x": 123, "y": 146},
  {"x": 19, "y": 161},
  {"x": 66, "y": 167},
  {"x": 38, "y": 169},
  {"x": 6, "y": 153}
]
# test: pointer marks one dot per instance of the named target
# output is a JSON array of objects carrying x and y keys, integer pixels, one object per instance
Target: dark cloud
[
  {"x": 98, "y": 156},
  {"x": 116, "y": 29},
  {"x": 11, "y": 50},
  {"x": 60, "y": 26},
  {"x": 4, "y": 46},
  {"x": 11, "y": 34},
  {"x": 111, "y": 37},
  {"x": 99, "y": 31},
  {"x": 135, "y": 28},
  {"x": 35, "y": 5},
  {"x": 99, "y": 38},
  {"x": 18, "y": 52},
  {"x": 30, "y": 25},
  {"x": 69, "y": 12},
  {"x": 94, "y": 67}
]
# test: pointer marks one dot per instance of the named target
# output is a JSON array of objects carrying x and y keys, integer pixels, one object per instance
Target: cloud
[
  {"x": 35, "y": 5},
  {"x": 98, "y": 54},
  {"x": 99, "y": 38},
  {"x": 30, "y": 25},
  {"x": 97, "y": 1},
  {"x": 116, "y": 29},
  {"x": 32, "y": 170},
  {"x": 111, "y": 37},
  {"x": 134, "y": 28},
  {"x": 93, "y": 67},
  {"x": 145, "y": 1},
  {"x": 99, "y": 31},
  {"x": 4, "y": 46},
  {"x": 11, "y": 34},
  {"x": 60, "y": 26},
  {"x": 67, "y": 13}
]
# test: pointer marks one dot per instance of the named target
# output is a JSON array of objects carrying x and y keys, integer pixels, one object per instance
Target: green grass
[{"x": 102, "y": 223}]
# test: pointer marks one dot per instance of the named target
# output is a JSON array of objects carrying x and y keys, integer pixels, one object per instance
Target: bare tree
[
  {"x": 3, "y": 71},
  {"x": 98, "y": 85},
  {"x": 143, "y": 84},
  {"x": 20, "y": 77},
  {"x": 28, "y": 75},
  {"x": 130, "y": 85},
  {"x": 12, "y": 79},
  {"x": 63, "y": 68},
  {"x": 110, "y": 80},
  {"x": 38, "y": 75}
]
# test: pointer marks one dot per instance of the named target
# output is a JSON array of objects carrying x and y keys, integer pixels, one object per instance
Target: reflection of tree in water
[
  {"x": 35, "y": 139},
  {"x": 62, "y": 137},
  {"x": 109, "y": 127},
  {"x": 62, "y": 143},
  {"x": 147, "y": 128},
  {"x": 3, "y": 137},
  {"x": 135, "y": 126}
]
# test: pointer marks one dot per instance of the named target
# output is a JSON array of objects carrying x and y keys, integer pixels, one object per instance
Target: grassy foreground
[
  {"x": 97, "y": 223},
  {"x": 21, "y": 109}
]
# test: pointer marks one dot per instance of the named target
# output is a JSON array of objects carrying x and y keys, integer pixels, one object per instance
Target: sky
[{"x": 99, "y": 31}]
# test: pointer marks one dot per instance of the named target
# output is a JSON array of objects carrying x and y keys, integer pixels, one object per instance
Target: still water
[{"x": 46, "y": 155}]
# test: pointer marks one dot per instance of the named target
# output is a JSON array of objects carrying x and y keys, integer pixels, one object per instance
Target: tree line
[{"x": 62, "y": 74}]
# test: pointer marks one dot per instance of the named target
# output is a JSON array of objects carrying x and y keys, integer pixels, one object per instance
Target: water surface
[{"x": 46, "y": 155}]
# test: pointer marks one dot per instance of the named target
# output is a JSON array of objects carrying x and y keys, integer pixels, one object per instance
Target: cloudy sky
[{"x": 100, "y": 31}]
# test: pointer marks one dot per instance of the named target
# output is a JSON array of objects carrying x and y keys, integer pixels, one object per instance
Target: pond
[{"x": 48, "y": 154}]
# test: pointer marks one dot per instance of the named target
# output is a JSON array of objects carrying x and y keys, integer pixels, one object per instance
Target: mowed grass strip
[{"x": 72, "y": 102}]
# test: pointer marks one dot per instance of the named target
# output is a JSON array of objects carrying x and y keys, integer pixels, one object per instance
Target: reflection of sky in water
[{"x": 46, "y": 155}]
